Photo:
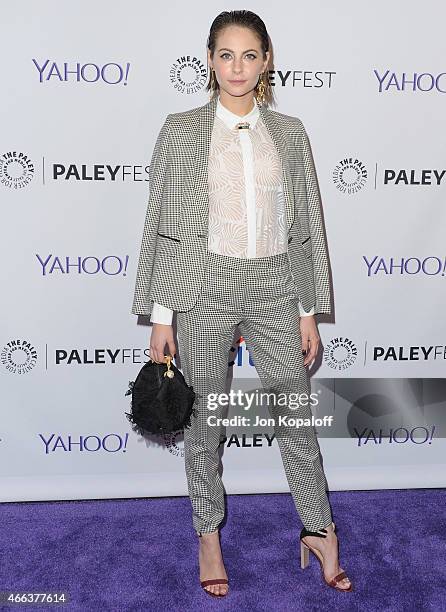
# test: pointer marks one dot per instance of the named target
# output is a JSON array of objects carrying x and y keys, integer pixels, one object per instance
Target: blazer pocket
[
  {"x": 165, "y": 247},
  {"x": 306, "y": 245},
  {"x": 168, "y": 237}
]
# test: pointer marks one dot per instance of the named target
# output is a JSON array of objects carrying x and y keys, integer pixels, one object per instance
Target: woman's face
[{"x": 237, "y": 57}]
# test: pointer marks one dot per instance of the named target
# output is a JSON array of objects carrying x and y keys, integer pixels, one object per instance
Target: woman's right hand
[{"x": 161, "y": 335}]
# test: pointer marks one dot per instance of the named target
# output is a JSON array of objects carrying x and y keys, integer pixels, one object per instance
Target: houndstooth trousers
[{"x": 258, "y": 296}]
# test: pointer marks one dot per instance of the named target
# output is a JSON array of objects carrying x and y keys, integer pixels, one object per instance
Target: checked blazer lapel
[{"x": 197, "y": 187}]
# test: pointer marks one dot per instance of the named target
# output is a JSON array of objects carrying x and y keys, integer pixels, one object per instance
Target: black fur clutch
[{"x": 162, "y": 402}]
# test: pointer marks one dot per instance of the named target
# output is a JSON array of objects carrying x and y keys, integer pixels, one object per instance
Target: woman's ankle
[{"x": 207, "y": 533}]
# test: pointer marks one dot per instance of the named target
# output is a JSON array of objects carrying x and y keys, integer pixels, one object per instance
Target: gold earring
[
  {"x": 260, "y": 91},
  {"x": 213, "y": 82}
]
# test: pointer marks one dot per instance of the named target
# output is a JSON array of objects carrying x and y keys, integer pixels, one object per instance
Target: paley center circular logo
[
  {"x": 340, "y": 353},
  {"x": 175, "y": 442},
  {"x": 18, "y": 356},
  {"x": 188, "y": 74},
  {"x": 16, "y": 169},
  {"x": 350, "y": 175}
]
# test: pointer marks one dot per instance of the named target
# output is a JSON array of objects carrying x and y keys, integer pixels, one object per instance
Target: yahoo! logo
[
  {"x": 111, "y": 265},
  {"x": 111, "y": 443},
  {"x": 431, "y": 265},
  {"x": 423, "y": 81},
  {"x": 110, "y": 73},
  {"x": 400, "y": 435}
]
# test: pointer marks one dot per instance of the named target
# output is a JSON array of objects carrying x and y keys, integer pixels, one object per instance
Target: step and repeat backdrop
[{"x": 85, "y": 89}]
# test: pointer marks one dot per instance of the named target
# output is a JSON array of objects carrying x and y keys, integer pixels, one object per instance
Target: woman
[{"x": 233, "y": 237}]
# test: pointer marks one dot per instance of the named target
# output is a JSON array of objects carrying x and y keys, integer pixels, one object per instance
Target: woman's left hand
[{"x": 310, "y": 338}]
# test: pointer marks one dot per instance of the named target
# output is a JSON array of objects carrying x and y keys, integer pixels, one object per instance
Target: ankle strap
[{"x": 320, "y": 533}]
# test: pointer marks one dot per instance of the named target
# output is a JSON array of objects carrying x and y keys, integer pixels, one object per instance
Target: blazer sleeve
[
  {"x": 318, "y": 241},
  {"x": 157, "y": 175}
]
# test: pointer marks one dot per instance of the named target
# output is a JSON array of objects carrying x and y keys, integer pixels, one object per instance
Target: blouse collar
[{"x": 231, "y": 119}]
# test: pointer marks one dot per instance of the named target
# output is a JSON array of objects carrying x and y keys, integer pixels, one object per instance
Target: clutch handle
[{"x": 169, "y": 372}]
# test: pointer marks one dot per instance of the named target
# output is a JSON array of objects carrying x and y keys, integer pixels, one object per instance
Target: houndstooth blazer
[{"x": 174, "y": 242}]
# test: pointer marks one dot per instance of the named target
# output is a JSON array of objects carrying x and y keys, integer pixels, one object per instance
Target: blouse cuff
[
  {"x": 161, "y": 314},
  {"x": 304, "y": 313}
]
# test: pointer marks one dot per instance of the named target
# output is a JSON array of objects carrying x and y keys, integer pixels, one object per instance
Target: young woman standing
[{"x": 233, "y": 237}]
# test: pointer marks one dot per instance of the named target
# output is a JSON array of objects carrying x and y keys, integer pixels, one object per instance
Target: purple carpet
[{"x": 142, "y": 554}]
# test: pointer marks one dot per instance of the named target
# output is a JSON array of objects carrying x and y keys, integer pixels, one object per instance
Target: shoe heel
[{"x": 304, "y": 555}]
